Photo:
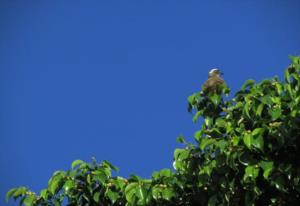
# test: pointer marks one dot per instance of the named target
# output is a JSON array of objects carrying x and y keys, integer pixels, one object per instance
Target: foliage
[{"x": 246, "y": 153}]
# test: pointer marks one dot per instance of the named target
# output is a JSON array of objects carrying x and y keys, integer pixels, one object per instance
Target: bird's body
[{"x": 213, "y": 82}]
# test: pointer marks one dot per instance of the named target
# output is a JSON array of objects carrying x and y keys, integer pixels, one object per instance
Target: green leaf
[
  {"x": 167, "y": 193},
  {"x": 278, "y": 88},
  {"x": 19, "y": 192},
  {"x": 135, "y": 178},
  {"x": 287, "y": 76},
  {"x": 55, "y": 183},
  {"x": 295, "y": 59},
  {"x": 258, "y": 142},
  {"x": 28, "y": 201},
  {"x": 216, "y": 99},
  {"x": 76, "y": 163},
  {"x": 180, "y": 139},
  {"x": 221, "y": 144},
  {"x": 258, "y": 131},
  {"x": 289, "y": 89},
  {"x": 208, "y": 121},
  {"x": 267, "y": 167},
  {"x": 254, "y": 139},
  {"x": 259, "y": 110},
  {"x": 141, "y": 194},
  {"x": 120, "y": 182},
  {"x": 181, "y": 154},
  {"x": 214, "y": 132},
  {"x": 206, "y": 142},
  {"x": 109, "y": 165},
  {"x": 220, "y": 122},
  {"x": 208, "y": 168},
  {"x": 249, "y": 83},
  {"x": 156, "y": 192},
  {"x": 248, "y": 140},
  {"x": 53, "y": 186},
  {"x": 225, "y": 89},
  {"x": 10, "y": 193},
  {"x": 191, "y": 99},
  {"x": 44, "y": 194},
  {"x": 96, "y": 197},
  {"x": 275, "y": 113},
  {"x": 257, "y": 138},
  {"x": 276, "y": 100},
  {"x": 198, "y": 135},
  {"x": 113, "y": 196},
  {"x": 130, "y": 191},
  {"x": 159, "y": 192},
  {"x": 235, "y": 140},
  {"x": 165, "y": 173},
  {"x": 99, "y": 175},
  {"x": 246, "y": 109},
  {"x": 267, "y": 100},
  {"x": 251, "y": 172},
  {"x": 178, "y": 165},
  {"x": 197, "y": 115},
  {"x": 69, "y": 184}
]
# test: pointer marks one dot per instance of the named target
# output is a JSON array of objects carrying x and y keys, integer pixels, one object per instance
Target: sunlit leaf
[
  {"x": 197, "y": 115},
  {"x": 96, "y": 197},
  {"x": 113, "y": 196},
  {"x": 69, "y": 184},
  {"x": 248, "y": 140},
  {"x": 248, "y": 83},
  {"x": 28, "y": 201},
  {"x": 44, "y": 194},
  {"x": 76, "y": 163},
  {"x": 267, "y": 167},
  {"x": 206, "y": 142},
  {"x": 130, "y": 191},
  {"x": 167, "y": 193},
  {"x": 10, "y": 193},
  {"x": 251, "y": 172},
  {"x": 157, "y": 192},
  {"x": 257, "y": 139},
  {"x": 259, "y": 110},
  {"x": 215, "y": 98},
  {"x": 208, "y": 121},
  {"x": 165, "y": 173},
  {"x": 109, "y": 165},
  {"x": 275, "y": 113}
]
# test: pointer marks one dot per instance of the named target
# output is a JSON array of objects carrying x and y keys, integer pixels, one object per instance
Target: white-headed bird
[{"x": 214, "y": 81}]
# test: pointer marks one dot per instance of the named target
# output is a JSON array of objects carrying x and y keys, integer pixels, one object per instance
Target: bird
[{"x": 214, "y": 81}]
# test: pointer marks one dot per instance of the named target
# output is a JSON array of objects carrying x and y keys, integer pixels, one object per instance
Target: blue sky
[{"x": 110, "y": 79}]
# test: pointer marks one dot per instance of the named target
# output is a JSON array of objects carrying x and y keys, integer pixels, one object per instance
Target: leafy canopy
[{"x": 246, "y": 153}]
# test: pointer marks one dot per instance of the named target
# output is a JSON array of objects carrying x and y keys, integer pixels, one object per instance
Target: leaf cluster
[{"x": 246, "y": 153}]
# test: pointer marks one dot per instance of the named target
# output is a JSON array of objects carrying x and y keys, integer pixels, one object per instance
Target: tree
[{"x": 246, "y": 153}]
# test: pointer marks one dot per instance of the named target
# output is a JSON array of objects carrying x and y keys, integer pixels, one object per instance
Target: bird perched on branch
[{"x": 214, "y": 82}]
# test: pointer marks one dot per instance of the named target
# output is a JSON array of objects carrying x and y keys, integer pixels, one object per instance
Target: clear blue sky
[{"x": 109, "y": 79}]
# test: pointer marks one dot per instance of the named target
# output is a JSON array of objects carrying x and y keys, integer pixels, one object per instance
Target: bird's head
[{"x": 214, "y": 72}]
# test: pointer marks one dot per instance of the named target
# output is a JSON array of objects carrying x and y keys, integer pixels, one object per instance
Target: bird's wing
[
  {"x": 212, "y": 83},
  {"x": 220, "y": 81},
  {"x": 207, "y": 84}
]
